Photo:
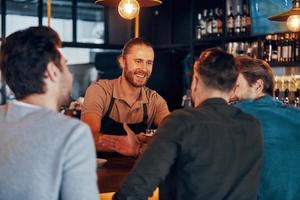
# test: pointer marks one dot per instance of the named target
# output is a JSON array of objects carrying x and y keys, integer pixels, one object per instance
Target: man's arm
[
  {"x": 162, "y": 110},
  {"x": 155, "y": 163},
  {"x": 125, "y": 145},
  {"x": 79, "y": 179}
]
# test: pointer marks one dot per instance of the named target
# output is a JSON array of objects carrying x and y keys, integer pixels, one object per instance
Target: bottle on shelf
[
  {"x": 296, "y": 47},
  {"x": 274, "y": 53},
  {"x": 220, "y": 23},
  {"x": 230, "y": 23},
  {"x": 209, "y": 23},
  {"x": 198, "y": 31},
  {"x": 215, "y": 23},
  {"x": 268, "y": 48},
  {"x": 237, "y": 21},
  {"x": 244, "y": 27},
  {"x": 281, "y": 48},
  {"x": 248, "y": 18},
  {"x": 203, "y": 24}
]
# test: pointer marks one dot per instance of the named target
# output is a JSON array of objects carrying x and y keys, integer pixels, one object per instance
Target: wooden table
[{"x": 112, "y": 174}]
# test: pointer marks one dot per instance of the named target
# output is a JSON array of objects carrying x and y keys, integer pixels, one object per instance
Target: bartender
[{"x": 112, "y": 106}]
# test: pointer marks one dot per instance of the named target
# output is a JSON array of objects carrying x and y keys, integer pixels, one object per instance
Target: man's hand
[{"x": 128, "y": 145}]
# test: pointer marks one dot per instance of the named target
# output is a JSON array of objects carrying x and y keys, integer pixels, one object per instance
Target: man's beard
[{"x": 129, "y": 76}]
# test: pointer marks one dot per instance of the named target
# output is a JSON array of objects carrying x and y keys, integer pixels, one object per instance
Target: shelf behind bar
[
  {"x": 284, "y": 64},
  {"x": 92, "y": 45},
  {"x": 208, "y": 41},
  {"x": 244, "y": 38}
]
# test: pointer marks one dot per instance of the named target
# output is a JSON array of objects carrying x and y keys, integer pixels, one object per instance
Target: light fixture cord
[{"x": 49, "y": 12}]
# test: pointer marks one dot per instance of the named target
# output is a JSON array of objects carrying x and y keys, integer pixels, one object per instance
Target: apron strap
[
  {"x": 112, "y": 101},
  {"x": 145, "y": 117}
]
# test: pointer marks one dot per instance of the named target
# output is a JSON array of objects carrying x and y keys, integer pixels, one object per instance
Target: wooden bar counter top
[{"x": 112, "y": 174}]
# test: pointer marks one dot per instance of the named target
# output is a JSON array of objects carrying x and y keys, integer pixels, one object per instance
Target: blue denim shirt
[{"x": 280, "y": 176}]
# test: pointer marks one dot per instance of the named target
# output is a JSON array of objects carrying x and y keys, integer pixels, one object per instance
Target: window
[
  {"x": 20, "y": 15},
  {"x": 61, "y": 18},
  {"x": 90, "y": 22}
]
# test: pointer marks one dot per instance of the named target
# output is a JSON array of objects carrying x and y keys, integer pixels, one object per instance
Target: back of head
[
  {"x": 134, "y": 42},
  {"x": 217, "y": 69},
  {"x": 24, "y": 56},
  {"x": 255, "y": 69}
]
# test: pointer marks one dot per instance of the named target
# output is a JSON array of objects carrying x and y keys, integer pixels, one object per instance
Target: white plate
[{"x": 101, "y": 162}]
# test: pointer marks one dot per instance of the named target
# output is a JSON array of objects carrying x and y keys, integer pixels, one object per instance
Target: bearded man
[{"x": 109, "y": 104}]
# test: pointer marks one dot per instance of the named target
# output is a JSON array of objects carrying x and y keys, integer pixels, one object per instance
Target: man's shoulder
[
  {"x": 188, "y": 114},
  {"x": 65, "y": 121},
  {"x": 152, "y": 94},
  {"x": 105, "y": 84}
]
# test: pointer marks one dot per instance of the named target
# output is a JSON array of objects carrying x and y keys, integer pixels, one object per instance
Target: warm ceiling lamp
[
  {"x": 128, "y": 6},
  {"x": 128, "y": 9},
  {"x": 292, "y": 17}
]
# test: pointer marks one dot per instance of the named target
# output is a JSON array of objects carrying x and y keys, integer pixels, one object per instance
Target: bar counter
[{"x": 112, "y": 174}]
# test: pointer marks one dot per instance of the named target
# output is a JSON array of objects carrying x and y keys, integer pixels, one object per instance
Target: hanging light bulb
[
  {"x": 293, "y": 23},
  {"x": 128, "y": 9},
  {"x": 291, "y": 17}
]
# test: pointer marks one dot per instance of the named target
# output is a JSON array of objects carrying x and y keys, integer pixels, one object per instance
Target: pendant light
[{"x": 291, "y": 17}]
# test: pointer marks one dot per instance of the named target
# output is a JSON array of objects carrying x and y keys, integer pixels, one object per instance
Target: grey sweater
[{"x": 45, "y": 156}]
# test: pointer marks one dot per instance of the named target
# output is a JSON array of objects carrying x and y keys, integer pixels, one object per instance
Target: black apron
[{"x": 112, "y": 127}]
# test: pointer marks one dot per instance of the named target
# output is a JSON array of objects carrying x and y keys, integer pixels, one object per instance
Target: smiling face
[{"x": 137, "y": 65}]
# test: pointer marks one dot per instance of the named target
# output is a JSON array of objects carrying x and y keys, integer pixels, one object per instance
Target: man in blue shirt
[{"x": 280, "y": 177}]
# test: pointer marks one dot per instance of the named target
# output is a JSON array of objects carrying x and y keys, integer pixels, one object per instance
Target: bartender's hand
[{"x": 128, "y": 145}]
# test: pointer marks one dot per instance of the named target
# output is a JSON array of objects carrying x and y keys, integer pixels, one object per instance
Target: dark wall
[
  {"x": 167, "y": 76},
  {"x": 166, "y": 24}
]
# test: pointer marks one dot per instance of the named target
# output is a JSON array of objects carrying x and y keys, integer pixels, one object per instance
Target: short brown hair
[
  {"x": 24, "y": 57},
  {"x": 255, "y": 69},
  {"x": 217, "y": 69}
]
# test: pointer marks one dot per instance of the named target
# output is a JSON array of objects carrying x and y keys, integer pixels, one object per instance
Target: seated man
[
  {"x": 110, "y": 103},
  {"x": 205, "y": 152},
  {"x": 280, "y": 178},
  {"x": 43, "y": 154}
]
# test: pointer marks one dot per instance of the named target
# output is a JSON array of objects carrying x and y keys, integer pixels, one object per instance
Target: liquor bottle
[
  {"x": 198, "y": 30},
  {"x": 215, "y": 23},
  {"x": 279, "y": 48},
  {"x": 244, "y": 27},
  {"x": 220, "y": 23},
  {"x": 289, "y": 46},
  {"x": 285, "y": 49},
  {"x": 209, "y": 25},
  {"x": 237, "y": 21},
  {"x": 296, "y": 47},
  {"x": 274, "y": 43},
  {"x": 248, "y": 19},
  {"x": 268, "y": 48},
  {"x": 230, "y": 23},
  {"x": 203, "y": 24}
]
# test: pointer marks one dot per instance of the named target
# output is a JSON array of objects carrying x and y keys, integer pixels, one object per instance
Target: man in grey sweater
[{"x": 43, "y": 154}]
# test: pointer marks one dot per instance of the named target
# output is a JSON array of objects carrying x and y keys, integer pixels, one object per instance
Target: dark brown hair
[
  {"x": 255, "y": 69},
  {"x": 217, "y": 69},
  {"x": 24, "y": 57}
]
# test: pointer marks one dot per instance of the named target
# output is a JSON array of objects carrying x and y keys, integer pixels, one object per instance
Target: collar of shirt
[
  {"x": 264, "y": 100},
  {"x": 21, "y": 103},
  {"x": 213, "y": 101},
  {"x": 119, "y": 94}
]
